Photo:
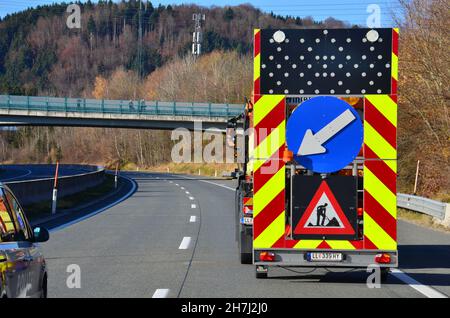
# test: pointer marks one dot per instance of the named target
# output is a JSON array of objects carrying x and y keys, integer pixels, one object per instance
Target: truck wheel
[
  {"x": 246, "y": 258},
  {"x": 261, "y": 272}
]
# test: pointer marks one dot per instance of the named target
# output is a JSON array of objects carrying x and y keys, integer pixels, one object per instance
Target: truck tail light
[
  {"x": 248, "y": 210},
  {"x": 359, "y": 211},
  {"x": 383, "y": 258},
  {"x": 266, "y": 256}
]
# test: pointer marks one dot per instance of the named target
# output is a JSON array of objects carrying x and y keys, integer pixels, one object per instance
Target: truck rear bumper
[{"x": 298, "y": 258}]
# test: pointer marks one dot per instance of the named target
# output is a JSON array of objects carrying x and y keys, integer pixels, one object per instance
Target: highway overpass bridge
[{"x": 80, "y": 112}]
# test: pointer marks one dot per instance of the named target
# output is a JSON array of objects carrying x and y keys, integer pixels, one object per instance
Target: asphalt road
[
  {"x": 30, "y": 172},
  {"x": 174, "y": 237}
]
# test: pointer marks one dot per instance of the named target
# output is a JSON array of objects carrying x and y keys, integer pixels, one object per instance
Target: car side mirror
[{"x": 41, "y": 234}]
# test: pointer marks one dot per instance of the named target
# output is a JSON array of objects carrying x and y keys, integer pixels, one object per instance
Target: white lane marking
[
  {"x": 187, "y": 192},
  {"x": 17, "y": 177},
  {"x": 157, "y": 177},
  {"x": 170, "y": 181},
  {"x": 193, "y": 206},
  {"x": 191, "y": 198},
  {"x": 129, "y": 193},
  {"x": 161, "y": 293},
  {"x": 216, "y": 184},
  {"x": 193, "y": 219},
  {"x": 423, "y": 289},
  {"x": 177, "y": 184},
  {"x": 182, "y": 188},
  {"x": 185, "y": 243}
]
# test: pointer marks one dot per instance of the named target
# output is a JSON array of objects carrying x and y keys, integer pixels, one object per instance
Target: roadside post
[
  {"x": 55, "y": 189},
  {"x": 116, "y": 176}
]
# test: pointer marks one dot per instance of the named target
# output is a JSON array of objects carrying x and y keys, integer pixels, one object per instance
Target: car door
[
  {"x": 15, "y": 265},
  {"x": 30, "y": 283}
]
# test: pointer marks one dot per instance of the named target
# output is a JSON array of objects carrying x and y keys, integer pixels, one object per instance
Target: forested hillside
[{"x": 39, "y": 55}]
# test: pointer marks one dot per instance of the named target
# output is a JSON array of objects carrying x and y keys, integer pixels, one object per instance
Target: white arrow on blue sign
[{"x": 325, "y": 134}]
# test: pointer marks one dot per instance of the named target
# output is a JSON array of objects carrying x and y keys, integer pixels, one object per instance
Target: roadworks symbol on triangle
[{"x": 324, "y": 215}]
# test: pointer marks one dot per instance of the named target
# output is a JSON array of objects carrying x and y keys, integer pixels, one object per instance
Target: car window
[
  {"x": 7, "y": 229},
  {"x": 19, "y": 219}
]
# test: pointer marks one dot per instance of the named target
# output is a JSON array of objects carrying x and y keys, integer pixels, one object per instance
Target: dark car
[{"x": 23, "y": 272}]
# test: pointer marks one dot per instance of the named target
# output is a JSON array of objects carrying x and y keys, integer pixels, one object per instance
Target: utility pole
[
  {"x": 197, "y": 35},
  {"x": 140, "y": 41}
]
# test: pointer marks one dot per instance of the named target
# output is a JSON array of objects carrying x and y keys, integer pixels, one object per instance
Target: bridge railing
[{"x": 140, "y": 107}]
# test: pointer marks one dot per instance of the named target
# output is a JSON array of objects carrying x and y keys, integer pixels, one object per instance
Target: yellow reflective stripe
[
  {"x": 377, "y": 143},
  {"x": 380, "y": 192},
  {"x": 385, "y": 106},
  {"x": 249, "y": 202},
  {"x": 377, "y": 235},
  {"x": 275, "y": 139},
  {"x": 269, "y": 191},
  {"x": 264, "y": 106},
  {"x": 392, "y": 163},
  {"x": 256, "y": 67},
  {"x": 308, "y": 244},
  {"x": 256, "y": 164},
  {"x": 340, "y": 245},
  {"x": 271, "y": 234},
  {"x": 394, "y": 66},
  {"x": 255, "y": 31}
]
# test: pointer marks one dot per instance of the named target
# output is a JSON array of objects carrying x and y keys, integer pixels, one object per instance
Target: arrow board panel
[{"x": 326, "y": 62}]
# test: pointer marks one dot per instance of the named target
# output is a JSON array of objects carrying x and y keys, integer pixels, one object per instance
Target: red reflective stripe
[
  {"x": 324, "y": 244},
  {"x": 380, "y": 123},
  {"x": 257, "y": 88},
  {"x": 394, "y": 86},
  {"x": 394, "y": 98},
  {"x": 257, "y": 43},
  {"x": 384, "y": 173},
  {"x": 280, "y": 243},
  {"x": 395, "y": 42},
  {"x": 357, "y": 244},
  {"x": 269, "y": 214},
  {"x": 379, "y": 214},
  {"x": 268, "y": 169},
  {"x": 368, "y": 245},
  {"x": 273, "y": 119},
  {"x": 369, "y": 154}
]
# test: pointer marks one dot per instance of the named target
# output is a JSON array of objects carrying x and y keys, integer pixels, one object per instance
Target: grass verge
[
  {"x": 420, "y": 219},
  {"x": 205, "y": 169},
  {"x": 43, "y": 208}
]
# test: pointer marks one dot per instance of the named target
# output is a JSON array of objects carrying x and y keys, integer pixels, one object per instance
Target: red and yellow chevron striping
[
  {"x": 394, "y": 61},
  {"x": 380, "y": 168},
  {"x": 269, "y": 122},
  {"x": 380, "y": 172},
  {"x": 257, "y": 62}
]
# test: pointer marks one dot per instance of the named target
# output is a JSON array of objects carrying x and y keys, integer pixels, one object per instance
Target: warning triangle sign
[{"x": 324, "y": 215}]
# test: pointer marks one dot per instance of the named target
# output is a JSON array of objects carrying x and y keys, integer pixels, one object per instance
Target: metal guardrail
[
  {"x": 421, "y": 204},
  {"x": 36, "y": 190},
  {"x": 82, "y": 105}
]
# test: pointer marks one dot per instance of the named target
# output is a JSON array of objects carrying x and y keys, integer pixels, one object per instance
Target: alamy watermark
[
  {"x": 74, "y": 19},
  {"x": 73, "y": 281},
  {"x": 374, "y": 18}
]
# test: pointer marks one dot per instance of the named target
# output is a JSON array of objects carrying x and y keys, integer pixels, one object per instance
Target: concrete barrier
[{"x": 32, "y": 191}]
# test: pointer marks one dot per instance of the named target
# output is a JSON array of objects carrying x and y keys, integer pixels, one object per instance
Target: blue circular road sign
[{"x": 325, "y": 134}]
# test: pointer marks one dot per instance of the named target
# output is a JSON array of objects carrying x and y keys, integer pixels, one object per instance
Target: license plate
[
  {"x": 324, "y": 257},
  {"x": 247, "y": 221}
]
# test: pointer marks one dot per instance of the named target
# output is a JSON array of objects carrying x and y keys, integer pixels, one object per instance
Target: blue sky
[{"x": 353, "y": 11}]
